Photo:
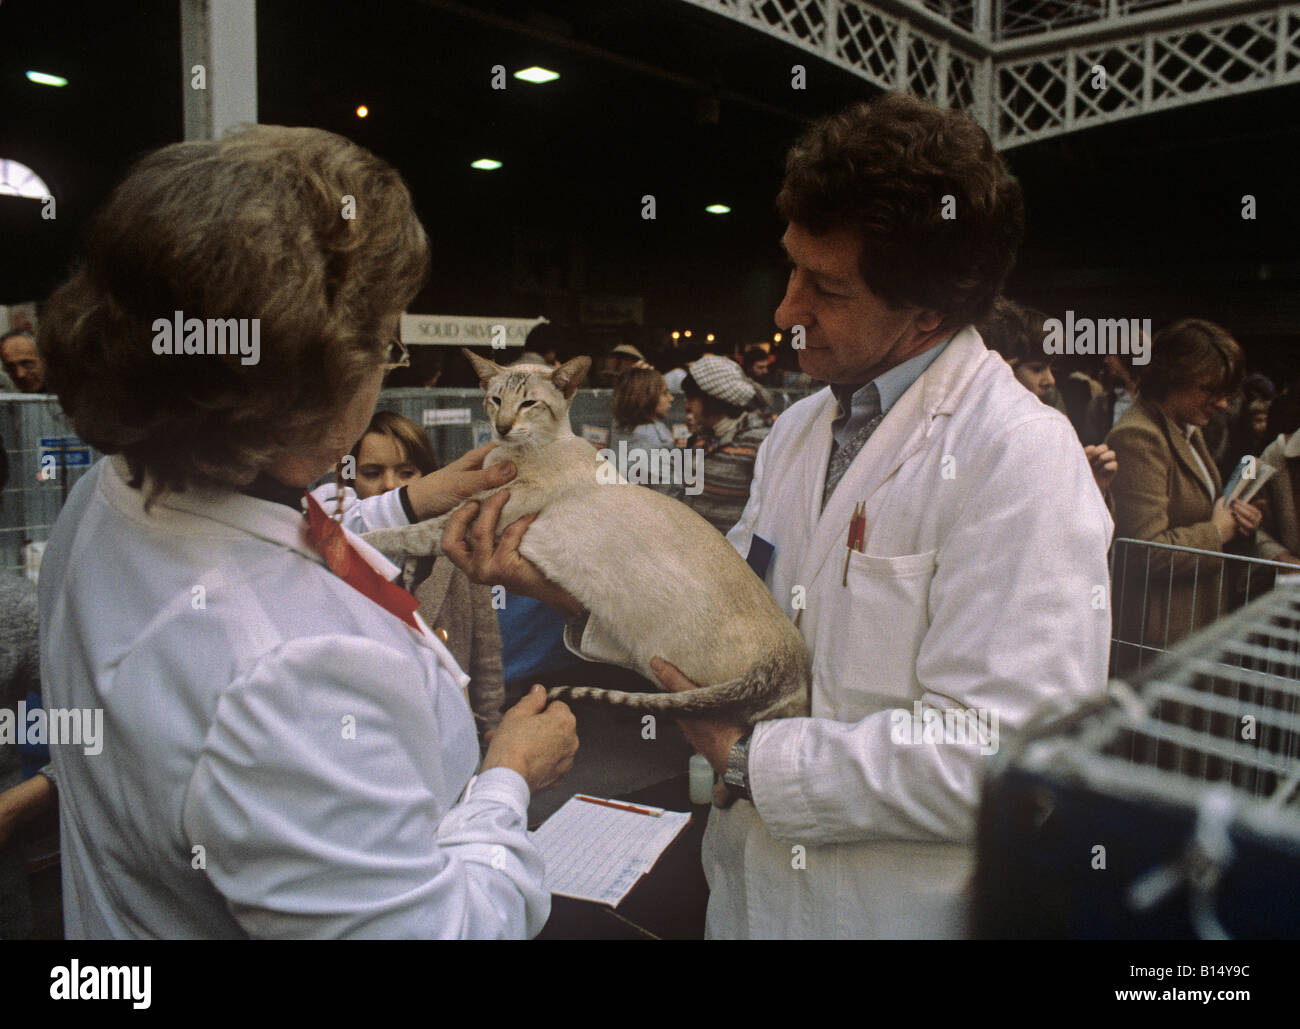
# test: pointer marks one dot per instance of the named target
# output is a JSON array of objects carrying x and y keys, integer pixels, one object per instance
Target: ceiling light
[
  {"x": 17, "y": 180},
  {"x": 486, "y": 164},
  {"x": 718, "y": 209},
  {"x": 537, "y": 75},
  {"x": 362, "y": 111},
  {"x": 42, "y": 79}
]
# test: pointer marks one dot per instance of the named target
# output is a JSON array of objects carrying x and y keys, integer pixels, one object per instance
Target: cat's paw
[{"x": 722, "y": 796}]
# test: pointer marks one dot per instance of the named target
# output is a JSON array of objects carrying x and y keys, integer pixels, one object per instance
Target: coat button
[{"x": 441, "y": 633}]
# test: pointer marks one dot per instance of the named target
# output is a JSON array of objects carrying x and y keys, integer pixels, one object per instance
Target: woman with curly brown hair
[{"x": 283, "y": 756}]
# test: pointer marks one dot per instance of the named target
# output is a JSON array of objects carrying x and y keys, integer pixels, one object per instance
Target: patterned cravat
[{"x": 842, "y": 455}]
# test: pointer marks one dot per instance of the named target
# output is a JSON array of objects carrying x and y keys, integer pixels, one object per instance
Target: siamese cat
[{"x": 655, "y": 577}]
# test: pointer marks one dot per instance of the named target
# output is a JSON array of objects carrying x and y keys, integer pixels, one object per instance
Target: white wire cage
[{"x": 1173, "y": 811}]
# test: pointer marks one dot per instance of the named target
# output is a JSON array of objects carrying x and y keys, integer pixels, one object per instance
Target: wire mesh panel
[
  {"x": 455, "y": 422},
  {"x": 45, "y": 462},
  {"x": 46, "y": 459},
  {"x": 1173, "y": 811}
]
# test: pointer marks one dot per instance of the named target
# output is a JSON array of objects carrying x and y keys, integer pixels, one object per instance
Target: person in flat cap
[
  {"x": 629, "y": 351},
  {"x": 727, "y": 413},
  {"x": 616, "y": 362}
]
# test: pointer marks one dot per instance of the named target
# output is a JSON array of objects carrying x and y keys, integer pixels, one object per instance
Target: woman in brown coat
[{"x": 1168, "y": 491}]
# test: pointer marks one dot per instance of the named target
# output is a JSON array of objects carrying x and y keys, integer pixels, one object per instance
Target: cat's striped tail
[{"x": 759, "y": 689}]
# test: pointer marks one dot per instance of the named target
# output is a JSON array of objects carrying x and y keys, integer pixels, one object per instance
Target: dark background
[{"x": 1138, "y": 219}]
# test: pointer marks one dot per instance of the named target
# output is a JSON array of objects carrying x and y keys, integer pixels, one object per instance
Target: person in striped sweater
[{"x": 728, "y": 417}]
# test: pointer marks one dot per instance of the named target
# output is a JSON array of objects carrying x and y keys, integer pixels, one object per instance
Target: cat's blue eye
[{"x": 528, "y": 403}]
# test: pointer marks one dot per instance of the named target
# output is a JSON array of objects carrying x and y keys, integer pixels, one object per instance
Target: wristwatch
[{"x": 737, "y": 774}]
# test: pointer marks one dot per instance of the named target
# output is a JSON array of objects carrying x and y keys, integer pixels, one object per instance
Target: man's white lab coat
[
  {"x": 281, "y": 756},
  {"x": 982, "y": 586}
]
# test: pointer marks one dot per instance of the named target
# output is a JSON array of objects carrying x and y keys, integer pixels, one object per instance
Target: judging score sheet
[{"x": 598, "y": 849}]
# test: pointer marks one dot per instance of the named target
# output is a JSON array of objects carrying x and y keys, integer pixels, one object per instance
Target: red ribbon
[{"x": 327, "y": 537}]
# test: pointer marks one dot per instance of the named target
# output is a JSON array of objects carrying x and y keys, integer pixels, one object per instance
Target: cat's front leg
[
  {"x": 416, "y": 540},
  {"x": 425, "y": 537}
]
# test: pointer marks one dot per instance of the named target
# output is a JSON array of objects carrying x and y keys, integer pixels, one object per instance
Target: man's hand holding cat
[
  {"x": 709, "y": 736},
  {"x": 475, "y": 550},
  {"x": 535, "y": 739},
  {"x": 438, "y": 492}
]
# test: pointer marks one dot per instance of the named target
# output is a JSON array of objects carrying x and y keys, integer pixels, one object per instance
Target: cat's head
[{"x": 528, "y": 404}]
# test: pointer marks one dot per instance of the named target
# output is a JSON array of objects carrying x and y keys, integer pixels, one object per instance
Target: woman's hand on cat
[
  {"x": 535, "y": 739},
  {"x": 709, "y": 736},
  {"x": 438, "y": 492},
  {"x": 470, "y": 542}
]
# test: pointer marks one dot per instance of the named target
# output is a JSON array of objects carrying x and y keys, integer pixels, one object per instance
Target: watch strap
[{"x": 737, "y": 774}]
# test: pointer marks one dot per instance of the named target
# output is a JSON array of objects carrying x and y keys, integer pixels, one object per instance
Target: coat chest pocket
[{"x": 868, "y": 635}]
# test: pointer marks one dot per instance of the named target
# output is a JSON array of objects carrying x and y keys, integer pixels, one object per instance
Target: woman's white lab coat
[
  {"x": 281, "y": 757},
  {"x": 977, "y": 589}
]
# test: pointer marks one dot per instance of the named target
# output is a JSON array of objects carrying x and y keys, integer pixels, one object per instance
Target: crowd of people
[
  {"x": 935, "y": 522},
  {"x": 1163, "y": 438}
]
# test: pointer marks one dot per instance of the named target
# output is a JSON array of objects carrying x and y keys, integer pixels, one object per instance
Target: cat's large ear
[
  {"x": 483, "y": 368},
  {"x": 568, "y": 377}
]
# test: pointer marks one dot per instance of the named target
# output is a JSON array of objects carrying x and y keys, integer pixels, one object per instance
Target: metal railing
[
  {"x": 1034, "y": 69},
  {"x": 1163, "y": 593}
]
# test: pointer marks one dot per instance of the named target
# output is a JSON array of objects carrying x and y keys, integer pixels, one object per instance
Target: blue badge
[{"x": 760, "y": 556}]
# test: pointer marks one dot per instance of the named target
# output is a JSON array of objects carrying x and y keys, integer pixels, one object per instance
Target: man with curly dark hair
[
  {"x": 932, "y": 529},
  {"x": 930, "y": 526}
]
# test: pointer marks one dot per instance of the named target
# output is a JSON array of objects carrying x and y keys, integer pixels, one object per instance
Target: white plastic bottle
[{"x": 701, "y": 779}]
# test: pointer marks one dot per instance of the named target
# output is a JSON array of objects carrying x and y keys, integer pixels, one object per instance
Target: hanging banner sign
[{"x": 462, "y": 330}]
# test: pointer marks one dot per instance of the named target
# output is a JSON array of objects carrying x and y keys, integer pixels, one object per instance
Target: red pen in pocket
[{"x": 857, "y": 536}]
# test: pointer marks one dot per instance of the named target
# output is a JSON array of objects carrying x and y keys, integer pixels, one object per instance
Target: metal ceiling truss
[{"x": 1032, "y": 69}]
